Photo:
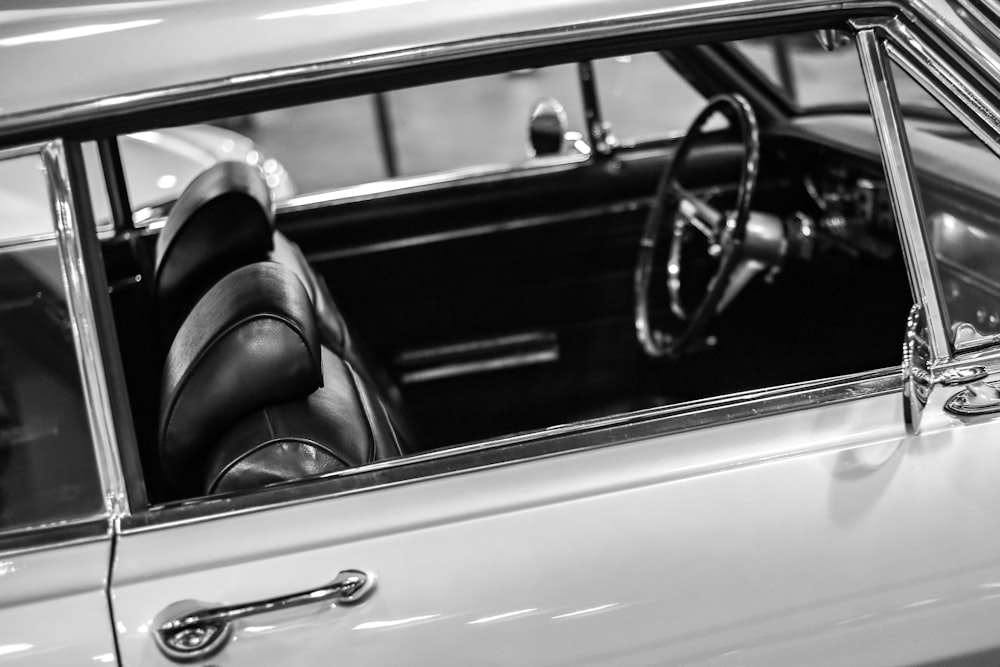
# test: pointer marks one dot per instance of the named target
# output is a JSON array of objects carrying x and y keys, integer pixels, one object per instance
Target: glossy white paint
[
  {"x": 53, "y": 607},
  {"x": 818, "y": 537},
  {"x": 66, "y": 52}
]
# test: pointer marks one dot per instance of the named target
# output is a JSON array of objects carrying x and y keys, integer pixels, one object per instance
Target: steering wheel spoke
[
  {"x": 699, "y": 214},
  {"x": 723, "y": 233}
]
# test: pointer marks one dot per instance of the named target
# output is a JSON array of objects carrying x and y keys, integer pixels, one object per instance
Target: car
[{"x": 609, "y": 333}]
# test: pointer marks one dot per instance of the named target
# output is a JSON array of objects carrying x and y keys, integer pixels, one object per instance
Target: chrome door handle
[{"x": 200, "y": 634}]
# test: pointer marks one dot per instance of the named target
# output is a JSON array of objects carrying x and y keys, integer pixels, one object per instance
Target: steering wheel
[{"x": 722, "y": 233}]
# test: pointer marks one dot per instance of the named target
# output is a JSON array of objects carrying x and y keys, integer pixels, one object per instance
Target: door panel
[
  {"x": 823, "y": 536},
  {"x": 54, "y": 609}
]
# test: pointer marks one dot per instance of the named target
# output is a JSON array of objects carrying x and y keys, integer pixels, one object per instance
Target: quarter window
[
  {"x": 957, "y": 185},
  {"x": 48, "y": 472}
]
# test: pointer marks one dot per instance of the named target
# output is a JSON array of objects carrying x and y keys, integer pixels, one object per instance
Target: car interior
[{"x": 262, "y": 347}]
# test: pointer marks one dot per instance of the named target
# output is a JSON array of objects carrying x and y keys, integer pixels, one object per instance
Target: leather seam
[
  {"x": 392, "y": 428},
  {"x": 301, "y": 441},
  {"x": 369, "y": 420}
]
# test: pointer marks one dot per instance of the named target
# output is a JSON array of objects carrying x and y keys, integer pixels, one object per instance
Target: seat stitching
[
  {"x": 369, "y": 420},
  {"x": 303, "y": 441}
]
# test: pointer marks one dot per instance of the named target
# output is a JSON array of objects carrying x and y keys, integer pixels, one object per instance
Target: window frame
[
  {"x": 68, "y": 236},
  {"x": 537, "y": 444}
]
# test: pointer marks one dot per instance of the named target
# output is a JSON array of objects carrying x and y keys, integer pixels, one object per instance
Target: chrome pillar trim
[
  {"x": 84, "y": 326},
  {"x": 955, "y": 93},
  {"x": 533, "y": 445},
  {"x": 903, "y": 188},
  {"x": 944, "y": 83}
]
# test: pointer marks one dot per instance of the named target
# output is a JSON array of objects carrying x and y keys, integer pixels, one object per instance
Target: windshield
[{"x": 814, "y": 78}]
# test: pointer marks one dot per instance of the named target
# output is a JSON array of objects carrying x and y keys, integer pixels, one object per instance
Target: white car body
[{"x": 796, "y": 526}]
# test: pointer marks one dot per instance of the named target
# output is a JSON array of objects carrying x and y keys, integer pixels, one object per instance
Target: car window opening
[{"x": 405, "y": 321}]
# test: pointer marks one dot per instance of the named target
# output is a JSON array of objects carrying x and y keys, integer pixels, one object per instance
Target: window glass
[
  {"x": 354, "y": 140},
  {"x": 47, "y": 467},
  {"x": 642, "y": 97},
  {"x": 477, "y": 121},
  {"x": 159, "y": 164},
  {"x": 322, "y": 146},
  {"x": 957, "y": 182},
  {"x": 24, "y": 198},
  {"x": 814, "y": 77}
]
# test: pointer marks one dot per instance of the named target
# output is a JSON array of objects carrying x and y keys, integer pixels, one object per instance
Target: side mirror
[{"x": 547, "y": 128}]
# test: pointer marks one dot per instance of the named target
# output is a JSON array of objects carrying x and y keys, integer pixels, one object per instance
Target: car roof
[{"x": 74, "y": 59}]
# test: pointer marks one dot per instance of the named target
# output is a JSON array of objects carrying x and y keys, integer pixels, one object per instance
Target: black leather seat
[
  {"x": 251, "y": 397},
  {"x": 225, "y": 220}
]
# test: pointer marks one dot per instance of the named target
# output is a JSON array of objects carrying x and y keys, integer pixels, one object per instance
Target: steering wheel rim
[{"x": 726, "y": 233}]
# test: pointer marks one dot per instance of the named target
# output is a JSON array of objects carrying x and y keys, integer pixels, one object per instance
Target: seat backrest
[
  {"x": 250, "y": 397},
  {"x": 224, "y": 220}
]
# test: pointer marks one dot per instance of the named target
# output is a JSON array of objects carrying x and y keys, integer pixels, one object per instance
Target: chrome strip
[
  {"x": 84, "y": 326},
  {"x": 479, "y": 346},
  {"x": 553, "y": 441},
  {"x": 21, "y": 151},
  {"x": 435, "y": 181},
  {"x": 903, "y": 188},
  {"x": 678, "y": 20},
  {"x": 944, "y": 84},
  {"x": 47, "y": 237},
  {"x": 498, "y": 363}
]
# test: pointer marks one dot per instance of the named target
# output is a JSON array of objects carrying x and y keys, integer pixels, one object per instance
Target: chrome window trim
[
  {"x": 402, "y": 185},
  {"x": 408, "y": 185},
  {"x": 956, "y": 93},
  {"x": 22, "y": 151},
  {"x": 533, "y": 445},
  {"x": 84, "y": 324},
  {"x": 669, "y": 22},
  {"x": 901, "y": 177},
  {"x": 37, "y": 239}
]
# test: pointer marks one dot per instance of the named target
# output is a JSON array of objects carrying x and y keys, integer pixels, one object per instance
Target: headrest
[
  {"x": 223, "y": 220},
  {"x": 251, "y": 341}
]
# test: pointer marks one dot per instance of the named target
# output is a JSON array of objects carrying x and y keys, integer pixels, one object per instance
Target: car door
[
  {"x": 797, "y": 524},
  {"x": 55, "y": 516},
  {"x": 822, "y": 535}
]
